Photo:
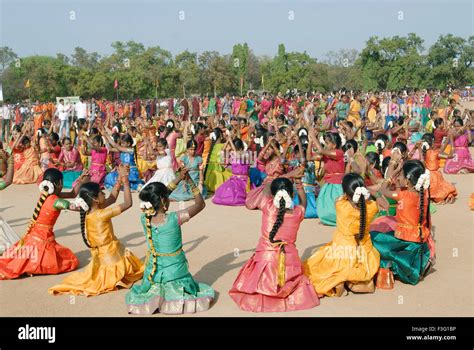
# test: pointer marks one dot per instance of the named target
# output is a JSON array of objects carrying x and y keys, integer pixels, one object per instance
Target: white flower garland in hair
[
  {"x": 213, "y": 136},
  {"x": 246, "y": 147},
  {"x": 192, "y": 129},
  {"x": 360, "y": 191},
  {"x": 321, "y": 140},
  {"x": 423, "y": 181},
  {"x": 390, "y": 124},
  {"x": 145, "y": 205},
  {"x": 282, "y": 194},
  {"x": 343, "y": 139},
  {"x": 302, "y": 132},
  {"x": 425, "y": 145},
  {"x": 259, "y": 141},
  {"x": 381, "y": 143},
  {"x": 46, "y": 184},
  {"x": 81, "y": 203},
  {"x": 169, "y": 124}
]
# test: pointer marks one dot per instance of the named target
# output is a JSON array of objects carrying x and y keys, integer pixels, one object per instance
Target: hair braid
[
  {"x": 363, "y": 219},
  {"x": 422, "y": 209},
  {"x": 152, "y": 247},
  {"x": 135, "y": 155},
  {"x": 36, "y": 212},
  {"x": 213, "y": 142},
  {"x": 278, "y": 222},
  {"x": 83, "y": 228}
]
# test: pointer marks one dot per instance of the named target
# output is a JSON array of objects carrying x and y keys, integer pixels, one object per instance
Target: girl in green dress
[{"x": 167, "y": 285}]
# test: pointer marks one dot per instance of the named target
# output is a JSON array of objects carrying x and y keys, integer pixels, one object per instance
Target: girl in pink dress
[
  {"x": 171, "y": 137},
  {"x": 273, "y": 280},
  {"x": 98, "y": 155},
  {"x": 462, "y": 162},
  {"x": 270, "y": 155}
]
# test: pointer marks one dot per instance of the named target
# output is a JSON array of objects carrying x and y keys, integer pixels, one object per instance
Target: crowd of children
[{"x": 369, "y": 164}]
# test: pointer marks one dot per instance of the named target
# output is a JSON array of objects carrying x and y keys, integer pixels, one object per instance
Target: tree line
[{"x": 392, "y": 63}]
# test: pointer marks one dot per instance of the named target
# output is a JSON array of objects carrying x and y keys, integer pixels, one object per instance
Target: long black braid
[
  {"x": 278, "y": 222},
  {"x": 83, "y": 228},
  {"x": 363, "y": 219},
  {"x": 217, "y": 132},
  {"x": 422, "y": 209}
]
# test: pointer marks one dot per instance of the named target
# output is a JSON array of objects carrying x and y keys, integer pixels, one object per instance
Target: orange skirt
[
  {"x": 39, "y": 255},
  {"x": 440, "y": 189}
]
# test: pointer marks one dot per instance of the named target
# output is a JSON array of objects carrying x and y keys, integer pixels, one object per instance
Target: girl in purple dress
[{"x": 234, "y": 191}]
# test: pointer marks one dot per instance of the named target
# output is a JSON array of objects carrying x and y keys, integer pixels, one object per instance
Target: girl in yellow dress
[
  {"x": 350, "y": 260},
  {"x": 111, "y": 265}
]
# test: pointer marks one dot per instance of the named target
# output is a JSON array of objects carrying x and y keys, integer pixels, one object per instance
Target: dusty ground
[{"x": 219, "y": 241}]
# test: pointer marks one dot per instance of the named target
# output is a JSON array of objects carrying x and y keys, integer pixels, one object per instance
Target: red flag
[{"x": 116, "y": 84}]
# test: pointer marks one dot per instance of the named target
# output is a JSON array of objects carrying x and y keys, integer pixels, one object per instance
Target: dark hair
[
  {"x": 350, "y": 144},
  {"x": 373, "y": 159},
  {"x": 218, "y": 133},
  {"x": 153, "y": 193},
  {"x": 55, "y": 177},
  {"x": 428, "y": 138},
  {"x": 334, "y": 138},
  {"x": 280, "y": 183},
  {"x": 458, "y": 120},
  {"x": 400, "y": 120},
  {"x": 88, "y": 192},
  {"x": 25, "y": 140},
  {"x": 412, "y": 170},
  {"x": 129, "y": 139},
  {"x": 401, "y": 146},
  {"x": 163, "y": 142},
  {"x": 239, "y": 144},
  {"x": 98, "y": 138},
  {"x": 191, "y": 143},
  {"x": 54, "y": 137},
  {"x": 438, "y": 122},
  {"x": 349, "y": 184}
]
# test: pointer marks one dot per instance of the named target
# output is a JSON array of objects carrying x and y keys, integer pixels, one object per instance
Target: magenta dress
[
  {"x": 273, "y": 169},
  {"x": 256, "y": 287},
  {"x": 234, "y": 191},
  {"x": 97, "y": 169},
  {"x": 462, "y": 157}
]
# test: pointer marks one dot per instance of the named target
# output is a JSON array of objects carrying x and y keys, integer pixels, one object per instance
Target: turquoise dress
[
  {"x": 311, "y": 188},
  {"x": 183, "y": 191},
  {"x": 134, "y": 177},
  {"x": 172, "y": 289}
]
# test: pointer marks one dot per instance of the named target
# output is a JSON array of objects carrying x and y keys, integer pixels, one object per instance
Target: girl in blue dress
[
  {"x": 128, "y": 156},
  {"x": 193, "y": 164}
]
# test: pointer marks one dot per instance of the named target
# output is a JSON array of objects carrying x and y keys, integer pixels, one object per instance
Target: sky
[{"x": 47, "y": 27}]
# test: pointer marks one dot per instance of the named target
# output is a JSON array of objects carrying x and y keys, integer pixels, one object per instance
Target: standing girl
[
  {"x": 215, "y": 174},
  {"x": 193, "y": 164},
  {"x": 333, "y": 158},
  {"x": 233, "y": 192}
]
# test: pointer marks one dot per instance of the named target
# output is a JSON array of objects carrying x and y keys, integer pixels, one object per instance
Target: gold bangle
[
  {"x": 172, "y": 186},
  {"x": 195, "y": 191}
]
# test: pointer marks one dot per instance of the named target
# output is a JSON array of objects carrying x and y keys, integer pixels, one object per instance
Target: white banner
[
  {"x": 1, "y": 93},
  {"x": 69, "y": 100}
]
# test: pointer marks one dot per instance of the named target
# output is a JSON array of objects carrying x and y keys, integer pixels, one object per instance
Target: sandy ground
[{"x": 220, "y": 240}]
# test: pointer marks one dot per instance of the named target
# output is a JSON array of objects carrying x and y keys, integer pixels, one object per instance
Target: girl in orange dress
[
  {"x": 407, "y": 248},
  {"x": 38, "y": 253},
  {"x": 441, "y": 191},
  {"x": 26, "y": 163}
]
